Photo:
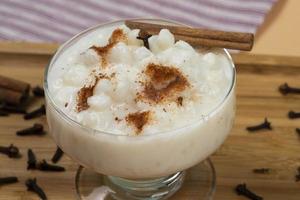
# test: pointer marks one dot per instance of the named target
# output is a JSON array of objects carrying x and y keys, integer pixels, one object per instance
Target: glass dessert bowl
[{"x": 144, "y": 166}]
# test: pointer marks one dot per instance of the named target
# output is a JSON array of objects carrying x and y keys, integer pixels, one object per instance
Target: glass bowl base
[{"x": 197, "y": 182}]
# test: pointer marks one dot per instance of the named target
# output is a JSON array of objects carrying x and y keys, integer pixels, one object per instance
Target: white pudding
[{"x": 125, "y": 110}]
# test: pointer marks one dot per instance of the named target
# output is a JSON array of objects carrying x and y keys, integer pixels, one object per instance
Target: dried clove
[
  {"x": 144, "y": 36},
  {"x": 265, "y": 125},
  {"x": 298, "y": 131},
  {"x": 36, "y": 113},
  {"x": 38, "y": 91},
  {"x": 33, "y": 186},
  {"x": 31, "y": 162},
  {"x": 297, "y": 176},
  {"x": 57, "y": 156},
  {"x": 11, "y": 151},
  {"x": 44, "y": 166},
  {"x": 8, "y": 180},
  {"x": 293, "y": 115},
  {"x": 286, "y": 89},
  {"x": 261, "y": 171},
  {"x": 36, "y": 129},
  {"x": 4, "y": 107},
  {"x": 241, "y": 189}
]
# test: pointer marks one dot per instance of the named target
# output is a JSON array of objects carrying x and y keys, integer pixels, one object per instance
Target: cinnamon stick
[
  {"x": 15, "y": 85},
  {"x": 13, "y": 91},
  {"x": 11, "y": 97},
  {"x": 215, "y": 43},
  {"x": 200, "y": 37}
]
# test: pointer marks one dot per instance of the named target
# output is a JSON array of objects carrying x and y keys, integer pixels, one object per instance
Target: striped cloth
[{"x": 58, "y": 20}]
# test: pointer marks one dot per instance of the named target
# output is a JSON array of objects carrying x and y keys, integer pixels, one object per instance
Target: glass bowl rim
[{"x": 96, "y": 131}]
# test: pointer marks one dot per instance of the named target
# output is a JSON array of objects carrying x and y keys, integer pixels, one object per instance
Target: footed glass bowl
[{"x": 147, "y": 166}]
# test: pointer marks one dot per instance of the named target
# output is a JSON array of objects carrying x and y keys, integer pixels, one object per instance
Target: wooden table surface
[{"x": 258, "y": 79}]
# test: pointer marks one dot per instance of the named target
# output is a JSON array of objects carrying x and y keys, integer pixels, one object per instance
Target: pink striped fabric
[{"x": 58, "y": 20}]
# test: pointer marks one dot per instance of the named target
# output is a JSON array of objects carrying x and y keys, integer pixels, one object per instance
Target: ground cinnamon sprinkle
[
  {"x": 164, "y": 82},
  {"x": 103, "y": 51},
  {"x": 104, "y": 76},
  {"x": 113, "y": 75},
  {"x": 117, "y": 119},
  {"x": 83, "y": 94},
  {"x": 116, "y": 36},
  {"x": 87, "y": 91},
  {"x": 180, "y": 101},
  {"x": 138, "y": 120}
]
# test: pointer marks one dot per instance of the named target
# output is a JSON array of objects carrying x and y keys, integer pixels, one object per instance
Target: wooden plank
[
  {"x": 27, "y": 47},
  {"x": 258, "y": 79},
  {"x": 266, "y": 60},
  {"x": 240, "y": 58}
]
